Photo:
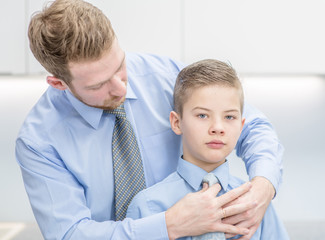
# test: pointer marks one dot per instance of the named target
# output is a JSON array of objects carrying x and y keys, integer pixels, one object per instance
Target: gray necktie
[{"x": 211, "y": 179}]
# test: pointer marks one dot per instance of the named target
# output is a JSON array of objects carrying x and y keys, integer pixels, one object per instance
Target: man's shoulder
[
  {"x": 50, "y": 110},
  {"x": 144, "y": 63}
]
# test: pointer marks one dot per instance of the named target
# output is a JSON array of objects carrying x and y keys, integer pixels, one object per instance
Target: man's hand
[
  {"x": 201, "y": 212},
  {"x": 262, "y": 192}
]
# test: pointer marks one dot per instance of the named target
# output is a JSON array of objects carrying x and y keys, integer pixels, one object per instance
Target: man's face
[
  {"x": 101, "y": 83},
  {"x": 210, "y": 125}
]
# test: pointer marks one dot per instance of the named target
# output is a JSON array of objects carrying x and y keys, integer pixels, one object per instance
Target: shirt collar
[
  {"x": 193, "y": 174},
  {"x": 93, "y": 115}
]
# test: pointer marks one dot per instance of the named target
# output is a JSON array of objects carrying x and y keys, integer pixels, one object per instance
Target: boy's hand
[
  {"x": 201, "y": 212},
  {"x": 262, "y": 192}
]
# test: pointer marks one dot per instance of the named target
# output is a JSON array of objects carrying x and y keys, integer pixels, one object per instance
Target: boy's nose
[{"x": 216, "y": 128}]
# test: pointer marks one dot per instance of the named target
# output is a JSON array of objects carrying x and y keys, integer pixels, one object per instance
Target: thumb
[
  {"x": 205, "y": 187},
  {"x": 214, "y": 189}
]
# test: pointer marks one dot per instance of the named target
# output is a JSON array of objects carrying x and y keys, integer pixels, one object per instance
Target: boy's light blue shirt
[
  {"x": 187, "y": 179},
  {"x": 64, "y": 151}
]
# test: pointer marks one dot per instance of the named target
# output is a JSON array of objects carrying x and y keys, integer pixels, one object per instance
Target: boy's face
[{"x": 210, "y": 125}]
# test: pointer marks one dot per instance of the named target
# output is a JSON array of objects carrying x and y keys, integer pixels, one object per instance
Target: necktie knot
[
  {"x": 210, "y": 178},
  {"x": 118, "y": 112}
]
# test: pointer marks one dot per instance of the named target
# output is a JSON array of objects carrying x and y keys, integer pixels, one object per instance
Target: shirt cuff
[
  {"x": 268, "y": 170},
  {"x": 151, "y": 227}
]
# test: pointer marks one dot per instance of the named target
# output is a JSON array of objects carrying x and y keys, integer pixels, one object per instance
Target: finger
[
  {"x": 252, "y": 231},
  {"x": 233, "y": 194},
  {"x": 236, "y": 210},
  {"x": 241, "y": 217},
  {"x": 205, "y": 187},
  {"x": 214, "y": 189},
  {"x": 240, "y": 225},
  {"x": 233, "y": 202},
  {"x": 227, "y": 228},
  {"x": 235, "y": 219},
  {"x": 246, "y": 237},
  {"x": 227, "y": 235}
]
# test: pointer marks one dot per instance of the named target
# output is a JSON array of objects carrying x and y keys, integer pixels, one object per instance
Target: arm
[
  {"x": 261, "y": 151},
  {"x": 259, "y": 147},
  {"x": 61, "y": 208}
]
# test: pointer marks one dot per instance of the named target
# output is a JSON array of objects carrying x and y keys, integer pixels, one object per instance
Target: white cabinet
[
  {"x": 33, "y": 66},
  {"x": 12, "y": 37},
  {"x": 141, "y": 26},
  {"x": 255, "y": 36},
  {"x": 146, "y": 25}
]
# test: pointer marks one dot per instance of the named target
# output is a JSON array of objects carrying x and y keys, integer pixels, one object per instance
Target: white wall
[{"x": 257, "y": 37}]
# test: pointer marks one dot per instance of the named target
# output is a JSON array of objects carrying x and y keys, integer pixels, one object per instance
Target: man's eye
[
  {"x": 97, "y": 87},
  {"x": 230, "y": 117}
]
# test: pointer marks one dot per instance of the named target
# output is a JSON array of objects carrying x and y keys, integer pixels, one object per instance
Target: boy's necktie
[
  {"x": 127, "y": 164},
  {"x": 211, "y": 179}
]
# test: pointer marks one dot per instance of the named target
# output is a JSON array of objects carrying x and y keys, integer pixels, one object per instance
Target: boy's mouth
[{"x": 215, "y": 144}]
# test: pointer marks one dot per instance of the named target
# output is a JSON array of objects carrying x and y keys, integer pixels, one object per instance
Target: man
[{"x": 65, "y": 150}]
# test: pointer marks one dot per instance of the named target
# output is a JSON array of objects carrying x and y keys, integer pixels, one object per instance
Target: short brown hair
[
  {"x": 69, "y": 31},
  {"x": 204, "y": 73}
]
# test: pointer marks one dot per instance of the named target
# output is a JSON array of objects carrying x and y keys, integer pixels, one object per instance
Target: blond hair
[
  {"x": 69, "y": 31},
  {"x": 204, "y": 73}
]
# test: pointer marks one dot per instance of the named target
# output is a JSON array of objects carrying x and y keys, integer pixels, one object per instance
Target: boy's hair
[
  {"x": 204, "y": 73},
  {"x": 69, "y": 31}
]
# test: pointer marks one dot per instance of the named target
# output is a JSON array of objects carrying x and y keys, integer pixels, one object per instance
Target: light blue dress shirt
[
  {"x": 187, "y": 179},
  {"x": 64, "y": 151}
]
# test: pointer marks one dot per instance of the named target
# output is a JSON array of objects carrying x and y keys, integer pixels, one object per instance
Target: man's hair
[
  {"x": 204, "y": 73},
  {"x": 69, "y": 31}
]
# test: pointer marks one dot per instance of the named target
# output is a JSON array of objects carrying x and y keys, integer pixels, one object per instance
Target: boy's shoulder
[
  {"x": 172, "y": 179},
  {"x": 158, "y": 197}
]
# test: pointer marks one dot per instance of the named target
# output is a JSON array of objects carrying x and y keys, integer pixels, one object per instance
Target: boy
[{"x": 208, "y": 102}]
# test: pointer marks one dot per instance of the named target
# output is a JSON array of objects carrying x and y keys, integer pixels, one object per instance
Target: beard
[
  {"x": 109, "y": 104},
  {"x": 112, "y": 104}
]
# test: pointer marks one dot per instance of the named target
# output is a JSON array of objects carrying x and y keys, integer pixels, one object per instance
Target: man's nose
[{"x": 117, "y": 86}]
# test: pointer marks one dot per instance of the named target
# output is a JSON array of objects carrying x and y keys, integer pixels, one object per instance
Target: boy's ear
[
  {"x": 242, "y": 123},
  {"x": 174, "y": 119},
  {"x": 56, "y": 83}
]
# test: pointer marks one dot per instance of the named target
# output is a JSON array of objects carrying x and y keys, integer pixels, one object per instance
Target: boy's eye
[
  {"x": 202, "y": 116},
  {"x": 230, "y": 117}
]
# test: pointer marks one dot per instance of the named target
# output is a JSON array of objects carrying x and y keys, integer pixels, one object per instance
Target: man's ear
[
  {"x": 174, "y": 119},
  {"x": 56, "y": 83}
]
